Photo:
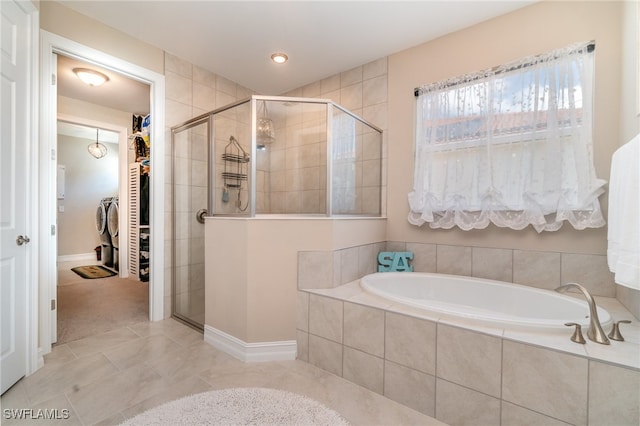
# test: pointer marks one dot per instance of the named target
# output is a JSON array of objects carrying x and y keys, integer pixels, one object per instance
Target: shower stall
[{"x": 266, "y": 155}]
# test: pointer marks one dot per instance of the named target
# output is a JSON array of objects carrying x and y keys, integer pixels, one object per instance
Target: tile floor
[{"x": 106, "y": 378}]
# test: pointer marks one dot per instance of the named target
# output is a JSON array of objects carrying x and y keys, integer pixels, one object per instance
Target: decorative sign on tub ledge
[{"x": 398, "y": 261}]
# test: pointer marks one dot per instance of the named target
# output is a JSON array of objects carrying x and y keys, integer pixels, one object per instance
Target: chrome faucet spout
[{"x": 595, "y": 332}]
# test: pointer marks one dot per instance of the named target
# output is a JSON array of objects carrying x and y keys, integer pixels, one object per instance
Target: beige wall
[
  {"x": 89, "y": 111},
  {"x": 87, "y": 181},
  {"x": 70, "y": 24},
  {"x": 630, "y": 72},
  {"x": 535, "y": 29},
  {"x": 252, "y": 269}
]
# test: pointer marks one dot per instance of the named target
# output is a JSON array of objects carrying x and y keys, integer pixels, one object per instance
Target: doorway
[
  {"x": 89, "y": 223},
  {"x": 53, "y": 45}
]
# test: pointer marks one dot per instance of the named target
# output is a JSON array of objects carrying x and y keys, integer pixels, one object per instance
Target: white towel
[{"x": 623, "y": 250}]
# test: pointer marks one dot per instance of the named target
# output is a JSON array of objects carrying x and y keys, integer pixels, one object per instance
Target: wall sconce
[
  {"x": 91, "y": 77},
  {"x": 97, "y": 149}
]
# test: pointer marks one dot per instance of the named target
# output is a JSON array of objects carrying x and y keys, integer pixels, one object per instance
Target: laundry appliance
[
  {"x": 103, "y": 231},
  {"x": 114, "y": 228}
]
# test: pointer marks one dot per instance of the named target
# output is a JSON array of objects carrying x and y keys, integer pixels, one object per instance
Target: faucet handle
[
  {"x": 577, "y": 334},
  {"x": 615, "y": 331}
]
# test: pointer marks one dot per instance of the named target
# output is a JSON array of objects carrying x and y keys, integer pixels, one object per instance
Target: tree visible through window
[{"x": 510, "y": 146}]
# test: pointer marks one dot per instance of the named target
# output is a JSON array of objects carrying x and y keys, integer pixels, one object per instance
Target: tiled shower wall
[
  {"x": 190, "y": 91},
  {"x": 296, "y": 178},
  {"x": 362, "y": 91}
]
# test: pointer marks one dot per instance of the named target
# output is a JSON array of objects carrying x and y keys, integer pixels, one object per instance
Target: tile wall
[
  {"x": 546, "y": 270},
  {"x": 292, "y": 177},
  {"x": 362, "y": 91},
  {"x": 432, "y": 366},
  {"x": 190, "y": 91}
]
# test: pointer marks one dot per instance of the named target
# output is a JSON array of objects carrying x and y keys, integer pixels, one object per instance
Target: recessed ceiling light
[
  {"x": 90, "y": 77},
  {"x": 279, "y": 58}
]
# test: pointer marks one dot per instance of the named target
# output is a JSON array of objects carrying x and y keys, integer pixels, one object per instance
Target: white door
[{"x": 14, "y": 248}]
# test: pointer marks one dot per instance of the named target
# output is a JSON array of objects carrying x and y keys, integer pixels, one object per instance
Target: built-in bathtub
[
  {"x": 487, "y": 302},
  {"x": 454, "y": 367}
]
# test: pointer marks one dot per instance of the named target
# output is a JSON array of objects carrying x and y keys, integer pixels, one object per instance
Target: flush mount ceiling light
[
  {"x": 97, "y": 149},
  {"x": 90, "y": 77},
  {"x": 279, "y": 58}
]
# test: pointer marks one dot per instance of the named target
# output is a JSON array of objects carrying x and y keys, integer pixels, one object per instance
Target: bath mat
[
  {"x": 93, "y": 271},
  {"x": 240, "y": 406}
]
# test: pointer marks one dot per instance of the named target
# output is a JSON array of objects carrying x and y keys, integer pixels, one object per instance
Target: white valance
[{"x": 510, "y": 146}]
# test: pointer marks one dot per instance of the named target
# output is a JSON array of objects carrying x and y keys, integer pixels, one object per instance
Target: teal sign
[{"x": 390, "y": 261}]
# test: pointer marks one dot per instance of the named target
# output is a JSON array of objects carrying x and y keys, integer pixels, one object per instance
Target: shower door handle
[{"x": 200, "y": 214}]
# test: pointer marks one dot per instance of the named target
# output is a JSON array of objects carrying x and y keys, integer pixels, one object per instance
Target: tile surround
[
  {"x": 460, "y": 351},
  {"x": 411, "y": 342},
  {"x": 491, "y": 263},
  {"x": 513, "y": 415},
  {"x": 545, "y": 270},
  {"x": 363, "y": 369},
  {"x": 457, "y": 405},
  {"x": 549, "y": 382},
  {"x": 325, "y": 317},
  {"x": 614, "y": 395},
  {"x": 410, "y": 387},
  {"x": 426, "y": 362},
  {"x": 364, "y": 328}
]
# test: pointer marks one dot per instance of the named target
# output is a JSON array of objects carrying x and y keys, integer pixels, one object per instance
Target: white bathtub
[{"x": 486, "y": 302}]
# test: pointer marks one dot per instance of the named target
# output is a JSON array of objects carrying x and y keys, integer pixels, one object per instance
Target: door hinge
[
  {"x": 53, "y": 230},
  {"x": 53, "y": 79},
  {"x": 53, "y": 304},
  {"x": 53, "y": 154}
]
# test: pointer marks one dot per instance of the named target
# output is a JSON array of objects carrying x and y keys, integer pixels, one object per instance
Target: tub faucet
[{"x": 595, "y": 332}]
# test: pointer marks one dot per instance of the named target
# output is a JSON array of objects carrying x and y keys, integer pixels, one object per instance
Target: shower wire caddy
[{"x": 236, "y": 161}]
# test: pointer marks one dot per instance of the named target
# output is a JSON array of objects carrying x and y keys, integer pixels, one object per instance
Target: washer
[
  {"x": 114, "y": 228},
  {"x": 103, "y": 231}
]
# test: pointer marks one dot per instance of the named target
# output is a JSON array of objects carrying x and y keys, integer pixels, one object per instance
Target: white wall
[{"x": 87, "y": 180}]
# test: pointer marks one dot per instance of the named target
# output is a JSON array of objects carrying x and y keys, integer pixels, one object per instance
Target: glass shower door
[{"x": 190, "y": 180}]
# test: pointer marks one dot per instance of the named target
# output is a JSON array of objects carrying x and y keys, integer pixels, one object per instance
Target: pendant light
[
  {"x": 265, "y": 132},
  {"x": 97, "y": 149}
]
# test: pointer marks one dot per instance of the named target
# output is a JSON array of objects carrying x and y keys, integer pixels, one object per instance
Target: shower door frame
[{"x": 195, "y": 122}]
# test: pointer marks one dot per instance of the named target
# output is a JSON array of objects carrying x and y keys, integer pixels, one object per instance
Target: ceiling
[
  {"x": 235, "y": 39},
  {"x": 86, "y": 132},
  {"x": 119, "y": 93}
]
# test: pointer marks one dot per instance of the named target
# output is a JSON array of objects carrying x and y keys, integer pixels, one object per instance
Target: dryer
[
  {"x": 103, "y": 231},
  {"x": 114, "y": 231}
]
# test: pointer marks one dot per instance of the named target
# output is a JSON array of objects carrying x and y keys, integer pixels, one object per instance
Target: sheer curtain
[{"x": 510, "y": 146}]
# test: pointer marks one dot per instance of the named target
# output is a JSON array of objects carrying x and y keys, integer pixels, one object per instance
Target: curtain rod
[{"x": 591, "y": 46}]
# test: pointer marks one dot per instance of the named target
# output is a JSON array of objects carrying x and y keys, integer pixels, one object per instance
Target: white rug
[{"x": 240, "y": 406}]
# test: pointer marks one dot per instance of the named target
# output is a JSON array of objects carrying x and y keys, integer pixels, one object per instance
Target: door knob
[{"x": 22, "y": 240}]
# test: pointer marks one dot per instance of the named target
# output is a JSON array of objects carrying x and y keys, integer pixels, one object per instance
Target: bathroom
[
  {"x": 381, "y": 91},
  {"x": 316, "y": 253}
]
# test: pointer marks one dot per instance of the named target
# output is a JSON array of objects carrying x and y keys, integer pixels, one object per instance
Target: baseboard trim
[
  {"x": 79, "y": 256},
  {"x": 250, "y": 352}
]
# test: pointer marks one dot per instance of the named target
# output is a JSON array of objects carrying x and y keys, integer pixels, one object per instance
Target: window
[{"x": 510, "y": 146}]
